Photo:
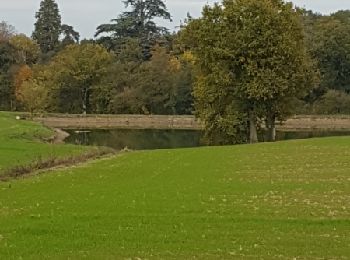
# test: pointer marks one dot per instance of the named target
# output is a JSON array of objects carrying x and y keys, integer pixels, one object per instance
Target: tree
[
  {"x": 24, "y": 74},
  {"x": 121, "y": 76},
  {"x": 48, "y": 26},
  {"x": 7, "y": 61},
  {"x": 6, "y": 31},
  {"x": 330, "y": 48},
  {"x": 161, "y": 85},
  {"x": 70, "y": 36},
  {"x": 333, "y": 102},
  {"x": 34, "y": 95},
  {"x": 74, "y": 72},
  {"x": 251, "y": 59},
  {"x": 27, "y": 50},
  {"x": 158, "y": 86},
  {"x": 137, "y": 23}
]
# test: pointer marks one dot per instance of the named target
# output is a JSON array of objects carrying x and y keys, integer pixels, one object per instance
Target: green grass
[
  {"x": 287, "y": 200},
  {"x": 21, "y": 142}
]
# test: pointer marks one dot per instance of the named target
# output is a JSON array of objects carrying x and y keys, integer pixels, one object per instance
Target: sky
[{"x": 86, "y": 15}]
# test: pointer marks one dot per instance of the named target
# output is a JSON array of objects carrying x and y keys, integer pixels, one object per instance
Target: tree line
[
  {"x": 131, "y": 67},
  {"x": 240, "y": 67}
]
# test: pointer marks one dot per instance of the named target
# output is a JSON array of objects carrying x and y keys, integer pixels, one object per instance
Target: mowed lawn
[
  {"x": 286, "y": 200},
  {"x": 21, "y": 142}
]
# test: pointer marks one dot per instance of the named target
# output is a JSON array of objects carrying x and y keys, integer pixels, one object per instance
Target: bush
[{"x": 333, "y": 102}]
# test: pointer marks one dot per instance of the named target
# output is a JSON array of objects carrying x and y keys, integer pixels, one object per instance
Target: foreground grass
[
  {"x": 21, "y": 143},
  {"x": 287, "y": 200}
]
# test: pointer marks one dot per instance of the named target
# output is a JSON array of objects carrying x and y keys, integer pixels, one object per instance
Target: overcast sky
[{"x": 86, "y": 15}]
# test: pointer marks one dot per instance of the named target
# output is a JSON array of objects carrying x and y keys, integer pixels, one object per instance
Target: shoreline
[
  {"x": 59, "y": 136},
  {"x": 296, "y": 123}
]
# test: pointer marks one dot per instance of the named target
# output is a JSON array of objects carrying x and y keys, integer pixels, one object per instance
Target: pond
[{"x": 137, "y": 139}]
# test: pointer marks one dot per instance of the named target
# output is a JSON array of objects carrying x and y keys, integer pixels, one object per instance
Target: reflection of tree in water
[
  {"x": 80, "y": 137},
  {"x": 137, "y": 139}
]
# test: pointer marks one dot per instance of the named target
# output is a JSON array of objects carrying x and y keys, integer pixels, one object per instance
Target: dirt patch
[
  {"x": 296, "y": 123},
  {"x": 59, "y": 136},
  {"x": 121, "y": 122},
  {"x": 302, "y": 123}
]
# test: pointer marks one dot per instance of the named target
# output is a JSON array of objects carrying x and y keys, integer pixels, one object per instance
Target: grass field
[
  {"x": 21, "y": 142},
  {"x": 286, "y": 200}
]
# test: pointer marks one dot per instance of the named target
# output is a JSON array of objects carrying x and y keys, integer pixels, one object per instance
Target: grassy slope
[
  {"x": 277, "y": 201},
  {"x": 20, "y": 142}
]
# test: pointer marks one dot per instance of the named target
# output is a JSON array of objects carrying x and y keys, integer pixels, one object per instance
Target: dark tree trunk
[{"x": 253, "y": 132}]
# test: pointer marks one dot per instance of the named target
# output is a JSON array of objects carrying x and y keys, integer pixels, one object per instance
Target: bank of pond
[{"x": 150, "y": 139}]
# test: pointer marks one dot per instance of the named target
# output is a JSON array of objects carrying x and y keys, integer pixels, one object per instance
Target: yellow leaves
[
  {"x": 25, "y": 73},
  {"x": 27, "y": 50},
  {"x": 79, "y": 65},
  {"x": 174, "y": 64},
  {"x": 189, "y": 57},
  {"x": 34, "y": 95}
]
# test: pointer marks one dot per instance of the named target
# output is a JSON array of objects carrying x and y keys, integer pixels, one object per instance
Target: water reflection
[{"x": 137, "y": 139}]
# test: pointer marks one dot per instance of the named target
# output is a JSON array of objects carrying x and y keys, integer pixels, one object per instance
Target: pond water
[{"x": 137, "y": 139}]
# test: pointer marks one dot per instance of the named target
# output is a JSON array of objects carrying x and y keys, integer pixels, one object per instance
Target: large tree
[
  {"x": 329, "y": 46},
  {"x": 138, "y": 22},
  {"x": 72, "y": 75},
  {"x": 7, "y": 60},
  {"x": 27, "y": 50},
  {"x": 48, "y": 26},
  {"x": 251, "y": 61}
]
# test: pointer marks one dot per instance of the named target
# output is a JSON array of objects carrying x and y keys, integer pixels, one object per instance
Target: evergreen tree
[
  {"x": 70, "y": 36},
  {"x": 48, "y": 26},
  {"x": 137, "y": 23}
]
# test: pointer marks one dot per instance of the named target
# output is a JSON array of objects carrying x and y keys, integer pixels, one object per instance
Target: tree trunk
[
  {"x": 253, "y": 132},
  {"x": 271, "y": 127},
  {"x": 85, "y": 97}
]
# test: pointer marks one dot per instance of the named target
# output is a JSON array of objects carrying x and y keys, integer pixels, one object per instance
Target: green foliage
[
  {"x": 34, "y": 96},
  {"x": 70, "y": 36},
  {"x": 27, "y": 50},
  {"x": 327, "y": 39},
  {"x": 284, "y": 200},
  {"x": 333, "y": 102},
  {"x": 47, "y": 26},
  {"x": 158, "y": 87},
  {"x": 137, "y": 23},
  {"x": 161, "y": 85},
  {"x": 7, "y": 60},
  {"x": 72, "y": 75},
  {"x": 251, "y": 58}
]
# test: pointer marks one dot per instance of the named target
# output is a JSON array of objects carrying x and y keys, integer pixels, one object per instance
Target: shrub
[{"x": 333, "y": 102}]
